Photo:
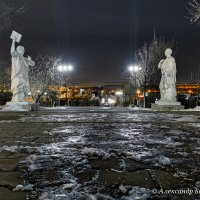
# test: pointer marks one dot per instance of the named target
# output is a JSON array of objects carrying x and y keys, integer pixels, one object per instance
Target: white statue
[
  {"x": 168, "y": 81},
  {"x": 19, "y": 72}
]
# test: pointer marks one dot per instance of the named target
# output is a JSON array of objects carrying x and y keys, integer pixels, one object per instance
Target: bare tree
[
  {"x": 194, "y": 11},
  {"x": 8, "y": 15},
  {"x": 5, "y": 94},
  {"x": 43, "y": 75},
  {"x": 148, "y": 57},
  {"x": 4, "y": 76}
]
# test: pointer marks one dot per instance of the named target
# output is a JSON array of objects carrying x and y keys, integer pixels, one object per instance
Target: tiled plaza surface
[{"x": 99, "y": 153}]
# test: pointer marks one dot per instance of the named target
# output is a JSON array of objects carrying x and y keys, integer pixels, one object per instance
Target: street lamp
[
  {"x": 63, "y": 69},
  {"x": 119, "y": 93},
  {"x": 198, "y": 81},
  {"x": 134, "y": 69},
  {"x": 120, "y": 97}
]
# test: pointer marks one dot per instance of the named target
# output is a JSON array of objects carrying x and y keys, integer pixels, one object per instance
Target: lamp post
[
  {"x": 145, "y": 89},
  {"x": 197, "y": 102},
  {"x": 134, "y": 69},
  {"x": 120, "y": 97},
  {"x": 63, "y": 69}
]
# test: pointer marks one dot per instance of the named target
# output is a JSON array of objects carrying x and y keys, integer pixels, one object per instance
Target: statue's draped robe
[
  {"x": 168, "y": 80},
  {"x": 19, "y": 77}
]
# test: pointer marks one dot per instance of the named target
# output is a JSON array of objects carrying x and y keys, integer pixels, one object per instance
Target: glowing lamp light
[
  {"x": 118, "y": 93},
  {"x": 138, "y": 91},
  {"x": 70, "y": 67},
  {"x": 111, "y": 101},
  {"x": 134, "y": 68},
  {"x": 60, "y": 68},
  {"x": 65, "y": 68},
  {"x": 131, "y": 68}
]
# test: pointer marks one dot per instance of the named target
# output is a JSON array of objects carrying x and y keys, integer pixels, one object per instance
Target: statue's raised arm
[
  {"x": 12, "y": 50},
  {"x": 16, "y": 37}
]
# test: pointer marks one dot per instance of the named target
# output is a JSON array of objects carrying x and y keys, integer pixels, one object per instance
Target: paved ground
[{"x": 99, "y": 153}]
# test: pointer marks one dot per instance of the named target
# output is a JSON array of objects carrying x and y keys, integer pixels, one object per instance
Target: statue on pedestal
[
  {"x": 168, "y": 80},
  {"x": 19, "y": 72},
  {"x": 19, "y": 77}
]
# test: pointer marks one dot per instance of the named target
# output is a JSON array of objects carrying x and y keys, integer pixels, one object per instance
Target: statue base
[
  {"x": 17, "y": 106},
  {"x": 167, "y": 103},
  {"x": 166, "y": 106}
]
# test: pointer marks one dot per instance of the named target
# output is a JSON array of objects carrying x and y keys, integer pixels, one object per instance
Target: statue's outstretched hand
[
  {"x": 30, "y": 61},
  {"x": 160, "y": 63},
  {"x": 29, "y": 58}
]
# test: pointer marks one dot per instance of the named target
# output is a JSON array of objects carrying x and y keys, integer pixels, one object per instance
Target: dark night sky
[{"x": 98, "y": 36}]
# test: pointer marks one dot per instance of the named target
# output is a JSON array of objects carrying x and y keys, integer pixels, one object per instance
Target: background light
[
  {"x": 70, "y": 67},
  {"x": 118, "y": 93},
  {"x": 65, "y": 68},
  {"x": 60, "y": 67},
  {"x": 131, "y": 68},
  {"x": 134, "y": 68}
]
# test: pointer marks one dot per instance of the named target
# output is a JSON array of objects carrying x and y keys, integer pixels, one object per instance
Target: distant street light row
[
  {"x": 65, "y": 68},
  {"x": 134, "y": 68}
]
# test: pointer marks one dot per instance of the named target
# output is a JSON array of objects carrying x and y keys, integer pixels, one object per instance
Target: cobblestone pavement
[{"x": 99, "y": 153}]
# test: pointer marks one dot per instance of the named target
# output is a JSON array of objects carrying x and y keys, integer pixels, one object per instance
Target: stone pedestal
[
  {"x": 35, "y": 107},
  {"x": 166, "y": 106},
  {"x": 17, "y": 106}
]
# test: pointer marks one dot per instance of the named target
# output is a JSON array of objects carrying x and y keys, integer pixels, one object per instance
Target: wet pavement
[{"x": 99, "y": 154}]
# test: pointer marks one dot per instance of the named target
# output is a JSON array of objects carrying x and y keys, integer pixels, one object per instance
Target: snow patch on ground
[
  {"x": 166, "y": 141},
  {"x": 94, "y": 151},
  {"x": 7, "y": 121},
  {"x": 163, "y": 160},
  {"x": 197, "y": 108},
  {"x": 54, "y": 108},
  {"x": 194, "y": 124},
  {"x": 139, "y": 108},
  {"x": 14, "y": 149},
  {"x": 186, "y": 118},
  {"x": 13, "y": 108},
  {"x": 22, "y": 188},
  {"x": 138, "y": 193}
]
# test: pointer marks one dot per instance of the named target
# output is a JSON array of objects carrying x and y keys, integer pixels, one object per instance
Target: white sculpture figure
[
  {"x": 19, "y": 72},
  {"x": 168, "y": 80}
]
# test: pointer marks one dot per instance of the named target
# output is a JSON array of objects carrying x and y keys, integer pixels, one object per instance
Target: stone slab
[
  {"x": 4, "y": 154},
  {"x": 8, "y": 165},
  {"x": 18, "y": 155},
  {"x": 140, "y": 178},
  {"x": 166, "y": 180},
  {"x": 10, "y": 179},
  {"x": 133, "y": 166},
  {"x": 6, "y": 194},
  {"x": 110, "y": 163},
  {"x": 17, "y": 106},
  {"x": 86, "y": 176},
  {"x": 156, "y": 107}
]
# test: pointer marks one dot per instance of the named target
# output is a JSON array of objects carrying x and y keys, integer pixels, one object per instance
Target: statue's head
[
  {"x": 168, "y": 52},
  {"x": 21, "y": 50}
]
